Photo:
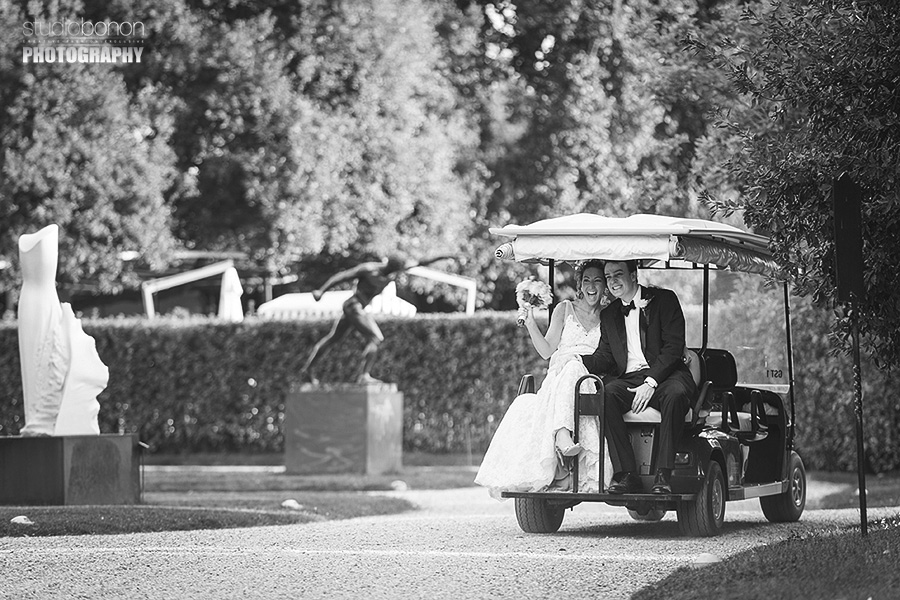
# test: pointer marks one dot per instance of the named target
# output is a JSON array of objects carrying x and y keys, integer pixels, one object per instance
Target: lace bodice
[{"x": 574, "y": 338}]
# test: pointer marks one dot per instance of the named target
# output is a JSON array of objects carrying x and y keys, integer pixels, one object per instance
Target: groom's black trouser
[{"x": 672, "y": 398}]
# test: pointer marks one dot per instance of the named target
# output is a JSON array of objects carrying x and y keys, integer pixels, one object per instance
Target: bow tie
[{"x": 626, "y": 308}]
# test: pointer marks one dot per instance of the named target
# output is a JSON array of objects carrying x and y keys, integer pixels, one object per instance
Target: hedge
[{"x": 198, "y": 385}]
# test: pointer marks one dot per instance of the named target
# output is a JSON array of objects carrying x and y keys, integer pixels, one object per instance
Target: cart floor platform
[{"x": 595, "y": 497}]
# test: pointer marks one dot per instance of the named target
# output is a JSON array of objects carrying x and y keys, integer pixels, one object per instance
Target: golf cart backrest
[
  {"x": 718, "y": 366},
  {"x": 720, "y": 369}
]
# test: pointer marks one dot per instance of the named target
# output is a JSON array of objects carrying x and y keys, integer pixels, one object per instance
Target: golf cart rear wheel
[
  {"x": 536, "y": 515},
  {"x": 705, "y": 516},
  {"x": 788, "y": 506}
]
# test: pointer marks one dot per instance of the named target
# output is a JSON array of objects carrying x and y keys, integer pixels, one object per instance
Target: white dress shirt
[{"x": 636, "y": 359}]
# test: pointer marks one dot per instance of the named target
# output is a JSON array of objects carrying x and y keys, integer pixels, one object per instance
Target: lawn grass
[
  {"x": 833, "y": 564},
  {"x": 186, "y": 480},
  {"x": 410, "y": 459},
  {"x": 187, "y": 498},
  {"x": 881, "y": 490},
  {"x": 105, "y": 520}
]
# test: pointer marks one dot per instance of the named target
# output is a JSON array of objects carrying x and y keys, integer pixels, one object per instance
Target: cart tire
[
  {"x": 652, "y": 515},
  {"x": 536, "y": 515},
  {"x": 705, "y": 516},
  {"x": 788, "y": 506}
]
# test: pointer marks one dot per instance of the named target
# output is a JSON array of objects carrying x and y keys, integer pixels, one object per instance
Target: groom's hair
[{"x": 631, "y": 265}]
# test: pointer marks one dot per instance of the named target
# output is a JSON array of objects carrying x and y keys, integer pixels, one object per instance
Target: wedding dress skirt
[{"x": 522, "y": 454}]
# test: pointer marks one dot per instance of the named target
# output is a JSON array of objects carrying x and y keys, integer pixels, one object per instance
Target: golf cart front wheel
[{"x": 536, "y": 515}]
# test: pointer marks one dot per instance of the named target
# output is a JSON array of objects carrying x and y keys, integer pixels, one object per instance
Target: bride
[{"x": 529, "y": 449}]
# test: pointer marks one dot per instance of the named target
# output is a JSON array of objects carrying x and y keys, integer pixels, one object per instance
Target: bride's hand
[{"x": 529, "y": 316}]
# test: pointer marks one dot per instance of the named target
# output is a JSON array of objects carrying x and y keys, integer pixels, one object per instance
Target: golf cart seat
[
  {"x": 721, "y": 370},
  {"x": 652, "y": 415}
]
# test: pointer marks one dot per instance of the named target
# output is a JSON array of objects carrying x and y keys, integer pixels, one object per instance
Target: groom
[{"x": 642, "y": 345}]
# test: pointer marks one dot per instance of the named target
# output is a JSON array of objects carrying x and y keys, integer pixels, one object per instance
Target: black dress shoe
[
  {"x": 661, "y": 484},
  {"x": 628, "y": 484}
]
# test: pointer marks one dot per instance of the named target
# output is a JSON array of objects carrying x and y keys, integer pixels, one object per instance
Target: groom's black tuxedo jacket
[{"x": 662, "y": 337}]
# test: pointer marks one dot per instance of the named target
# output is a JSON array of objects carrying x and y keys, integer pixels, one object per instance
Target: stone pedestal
[
  {"x": 70, "y": 470},
  {"x": 343, "y": 428}
]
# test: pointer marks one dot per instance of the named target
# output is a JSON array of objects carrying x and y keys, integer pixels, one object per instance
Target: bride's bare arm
[{"x": 546, "y": 345}]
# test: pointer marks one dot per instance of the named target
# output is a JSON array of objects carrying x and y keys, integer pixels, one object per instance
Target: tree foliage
[
  {"x": 583, "y": 129},
  {"x": 821, "y": 86},
  {"x": 77, "y": 151},
  {"x": 314, "y": 129},
  {"x": 283, "y": 131},
  {"x": 307, "y": 134},
  {"x": 312, "y": 134}
]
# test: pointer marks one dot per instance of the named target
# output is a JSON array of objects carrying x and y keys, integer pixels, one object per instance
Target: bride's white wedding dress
[{"x": 522, "y": 454}]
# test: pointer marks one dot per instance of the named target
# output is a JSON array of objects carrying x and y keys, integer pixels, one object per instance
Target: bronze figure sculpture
[{"x": 370, "y": 280}]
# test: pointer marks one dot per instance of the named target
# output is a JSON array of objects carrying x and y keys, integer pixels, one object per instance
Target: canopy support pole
[
  {"x": 705, "y": 307},
  {"x": 552, "y": 266}
]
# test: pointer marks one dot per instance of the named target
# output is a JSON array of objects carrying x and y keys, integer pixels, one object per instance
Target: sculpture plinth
[
  {"x": 343, "y": 428},
  {"x": 70, "y": 470}
]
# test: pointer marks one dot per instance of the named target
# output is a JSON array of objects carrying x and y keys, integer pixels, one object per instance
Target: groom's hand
[{"x": 642, "y": 395}]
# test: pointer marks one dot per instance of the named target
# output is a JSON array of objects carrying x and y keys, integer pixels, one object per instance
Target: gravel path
[{"x": 461, "y": 544}]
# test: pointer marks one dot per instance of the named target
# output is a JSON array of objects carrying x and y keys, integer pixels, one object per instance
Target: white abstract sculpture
[
  {"x": 230, "y": 297},
  {"x": 62, "y": 374}
]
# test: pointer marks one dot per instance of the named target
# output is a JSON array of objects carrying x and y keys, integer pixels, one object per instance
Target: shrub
[{"x": 201, "y": 385}]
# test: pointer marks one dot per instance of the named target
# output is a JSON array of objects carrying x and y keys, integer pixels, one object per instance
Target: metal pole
[
  {"x": 860, "y": 445},
  {"x": 705, "y": 307},
  {"x": 789, "y": 340},
  {"x": 552, "y": 268},
  {"x": 147, "y": 296}
]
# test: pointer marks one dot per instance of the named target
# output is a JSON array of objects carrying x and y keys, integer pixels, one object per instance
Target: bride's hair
[{"x": 583, "y": 266}]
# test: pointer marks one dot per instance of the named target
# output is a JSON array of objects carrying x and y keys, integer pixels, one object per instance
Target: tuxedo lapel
[
  {"x": 619, "y": 340},
  {"x": 644, "y": 319},
  {"x": 643, "y": 330},
  {"x": 620, "y": 328}
]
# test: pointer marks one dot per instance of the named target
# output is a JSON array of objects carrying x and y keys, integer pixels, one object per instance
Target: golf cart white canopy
[{"x": 648, "y": 238}]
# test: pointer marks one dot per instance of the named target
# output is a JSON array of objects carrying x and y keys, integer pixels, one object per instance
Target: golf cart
[{"x": 739, "y": 433}]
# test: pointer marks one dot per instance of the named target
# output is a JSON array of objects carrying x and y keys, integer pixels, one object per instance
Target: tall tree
[
  {"x": 401, "y": 131},
  {"x": 823, "y": 80},
  {"x": 310, "y": 129},
  {"x": 584, "y": 127},
  {"x": 78, "y": 152}
]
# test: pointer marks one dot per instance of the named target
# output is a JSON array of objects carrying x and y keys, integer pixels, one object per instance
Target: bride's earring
[{"x": 579, "y": 294}]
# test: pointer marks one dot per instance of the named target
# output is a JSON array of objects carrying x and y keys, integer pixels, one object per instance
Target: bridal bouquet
[{"x": 531, "y": 293}]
